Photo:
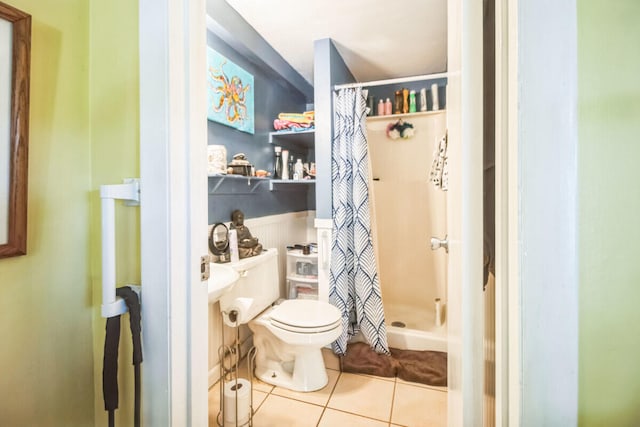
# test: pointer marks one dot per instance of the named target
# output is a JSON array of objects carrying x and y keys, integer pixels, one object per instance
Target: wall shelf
[
  {"x": 380, "y": 123},
  {"x": 234, "y": 184},
  {"x": 304, "y": 139},
  {"x": 221, "y": 184},
  {"x": 392, "y": 117},
  {"x": 273, "y": 183}
]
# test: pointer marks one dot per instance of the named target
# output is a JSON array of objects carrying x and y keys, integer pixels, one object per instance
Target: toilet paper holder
[{"x": 236, "y": 394}]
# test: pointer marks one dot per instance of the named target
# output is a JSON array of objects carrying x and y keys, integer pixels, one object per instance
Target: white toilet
[{"x": 288, "y": 337}]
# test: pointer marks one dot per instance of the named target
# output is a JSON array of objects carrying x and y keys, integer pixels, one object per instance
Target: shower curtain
[{"x": 354, "y": 281}]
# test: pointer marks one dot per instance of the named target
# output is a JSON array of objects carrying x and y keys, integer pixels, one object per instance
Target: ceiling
[{"x": 377, "y": 39}]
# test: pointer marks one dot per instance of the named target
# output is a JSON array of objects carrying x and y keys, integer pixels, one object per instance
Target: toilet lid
[{"x": 305, "y": 316}]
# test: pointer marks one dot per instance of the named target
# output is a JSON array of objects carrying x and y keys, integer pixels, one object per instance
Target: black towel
[{"x": 110, "y": 364}]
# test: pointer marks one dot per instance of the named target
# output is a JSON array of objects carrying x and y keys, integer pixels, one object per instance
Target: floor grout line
[
  {"x": 393, "y": 399},
  {"x": 324, "y": 406},
  {"x": 358, "y": 415}
]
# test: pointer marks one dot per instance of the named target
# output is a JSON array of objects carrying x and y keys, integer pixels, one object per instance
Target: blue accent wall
[
  {"x": 273, "y": 95},
  {"x": 329, "y": 69}
]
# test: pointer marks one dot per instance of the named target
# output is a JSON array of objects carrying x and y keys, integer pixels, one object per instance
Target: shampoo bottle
[
  {"x": 397, "y": 107},
  {"x": 434, "y": 97},
  {"x": 387, "y": 107},
  {"x": 412, "y": 101},
  {"x": 438, "y": 309},
  {"x": 405, "y": 100}
]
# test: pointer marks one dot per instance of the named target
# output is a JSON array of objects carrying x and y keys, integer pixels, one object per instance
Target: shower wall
[{"x": 408, "y": 211}]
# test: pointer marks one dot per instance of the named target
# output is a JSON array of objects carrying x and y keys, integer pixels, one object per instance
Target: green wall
[
  {"x": 83, "y": 133},
  {"x": 609, "y": 212},
  {"x": 46, "y": 304},
  {"x": 114, "y": 119}
]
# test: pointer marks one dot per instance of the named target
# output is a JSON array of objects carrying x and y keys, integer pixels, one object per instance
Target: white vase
[{"x": 285, "y": 162}]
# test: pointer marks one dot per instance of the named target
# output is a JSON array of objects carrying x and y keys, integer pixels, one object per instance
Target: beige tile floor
[{"x": 352, "y": 400}]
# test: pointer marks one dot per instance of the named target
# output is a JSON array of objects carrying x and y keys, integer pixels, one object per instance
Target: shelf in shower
[{"x": 392, "y": 117}]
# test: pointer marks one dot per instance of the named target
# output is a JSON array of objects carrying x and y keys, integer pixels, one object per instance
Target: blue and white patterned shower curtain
[{"x": 354, "y": 281}]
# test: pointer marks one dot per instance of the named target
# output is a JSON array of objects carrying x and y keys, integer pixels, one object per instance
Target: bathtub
[{"x": 419, "y": 331}]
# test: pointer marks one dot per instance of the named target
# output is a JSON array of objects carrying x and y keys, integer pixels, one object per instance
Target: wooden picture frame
[{"x": 14, "y": 230}]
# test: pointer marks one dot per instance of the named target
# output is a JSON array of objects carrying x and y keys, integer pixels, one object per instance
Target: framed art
[
  {"x": 230, "y": 93},
  {"x": 15, "y": 60}
]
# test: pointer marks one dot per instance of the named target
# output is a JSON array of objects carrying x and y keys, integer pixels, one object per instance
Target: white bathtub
[
  {"x": 413, "y": 339},
  {"x": 420, "y": 331}
]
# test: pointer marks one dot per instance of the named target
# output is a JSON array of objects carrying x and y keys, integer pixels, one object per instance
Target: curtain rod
[{"x": 392, "y": 81}]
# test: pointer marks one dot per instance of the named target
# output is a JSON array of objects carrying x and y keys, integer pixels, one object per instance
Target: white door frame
[
  {"x": 465, "y": 307},
  {"x": 507, "y": 372},
  {"x": 173, "y": 211},
  {"x": 536, "y": 213}
]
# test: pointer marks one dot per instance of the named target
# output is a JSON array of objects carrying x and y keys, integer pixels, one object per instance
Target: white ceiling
[{"x": 377, "y": 39}]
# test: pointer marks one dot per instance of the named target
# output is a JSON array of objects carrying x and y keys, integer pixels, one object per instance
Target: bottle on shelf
[
  {"x": 277, "y": 162},
  {"x": 298, "y": 170},
  {"x": 397, "y": 106},
  {"x": 285, "y": 169},
  {"x": 434, "y": 97},
  {"x": 371, "y": 105},
  {"x": 423, "y": 99},
  {"x": 381, "y": 107},
  {"x": 412, "y": 101},
  {"x": 387, "y": 107},
  {"x": 405, "y": 100},
  {"x": 292, "y": 161}
]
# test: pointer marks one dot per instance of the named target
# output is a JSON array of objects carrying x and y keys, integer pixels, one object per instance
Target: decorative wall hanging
[
  {"x": 229, "y": 93},
  {"x": 400, "y": 129}
]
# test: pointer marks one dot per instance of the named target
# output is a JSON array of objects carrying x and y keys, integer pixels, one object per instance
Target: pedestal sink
[{"x": 221, "y": 279}]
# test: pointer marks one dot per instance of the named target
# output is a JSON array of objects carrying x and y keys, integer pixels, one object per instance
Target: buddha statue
[{"x": 248, "y": 245}]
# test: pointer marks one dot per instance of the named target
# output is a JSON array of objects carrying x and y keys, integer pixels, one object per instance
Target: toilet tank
[{"x": 257, "y": 288}]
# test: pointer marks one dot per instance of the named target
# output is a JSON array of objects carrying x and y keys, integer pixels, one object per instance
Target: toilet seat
[{"x": 305, "y": 316}]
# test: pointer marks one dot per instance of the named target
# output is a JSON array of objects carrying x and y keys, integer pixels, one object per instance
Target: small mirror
[
  {"x": 219, "y": 242},
  {"x": 15, "y": 60}
]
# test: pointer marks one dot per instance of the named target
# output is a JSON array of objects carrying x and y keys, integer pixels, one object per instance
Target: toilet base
[{"x": 306, "y": 373}]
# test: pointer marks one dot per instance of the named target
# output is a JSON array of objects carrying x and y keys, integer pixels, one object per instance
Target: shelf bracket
[{"x": 217, "y": 185}]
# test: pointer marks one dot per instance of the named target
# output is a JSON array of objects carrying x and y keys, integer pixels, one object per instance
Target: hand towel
[{"x": 439, "y": 168}]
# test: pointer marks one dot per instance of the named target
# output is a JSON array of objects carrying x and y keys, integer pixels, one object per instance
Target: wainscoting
[{"x": 275, "y": 231}]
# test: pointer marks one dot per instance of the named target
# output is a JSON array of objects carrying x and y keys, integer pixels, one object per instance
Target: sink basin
[{"x": 221, "y": 279}]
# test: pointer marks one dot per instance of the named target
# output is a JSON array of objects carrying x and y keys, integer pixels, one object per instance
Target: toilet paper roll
[
  {"x": 242, "y": 309},
  {"x": 240, "y": 394}
]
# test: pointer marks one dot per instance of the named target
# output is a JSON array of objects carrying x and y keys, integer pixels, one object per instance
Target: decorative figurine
[
  {"x": 248, "y": 245},
  {"x": 239, "y": 165}
]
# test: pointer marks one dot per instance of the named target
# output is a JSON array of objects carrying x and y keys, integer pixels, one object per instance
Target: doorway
[{"x": 172, "y": 55}]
